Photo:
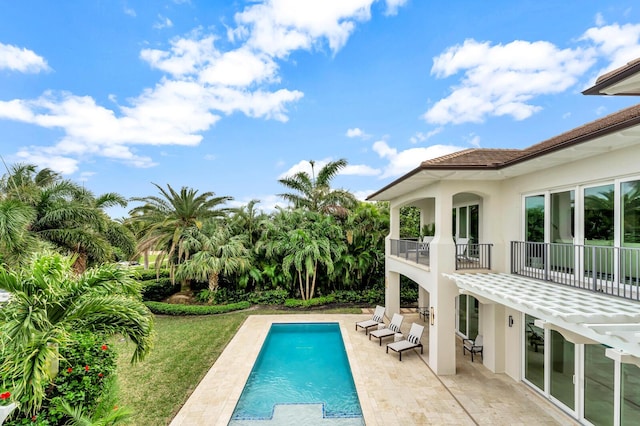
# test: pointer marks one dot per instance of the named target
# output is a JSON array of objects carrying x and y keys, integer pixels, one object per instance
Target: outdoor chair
[
  {"x": 474, "y": 346},
  {"x": 377, "y": 319},
  {"x": 411, "y": 342},
  {"x": 394, "y": 327},
  {"x": 423, "y": 246},
  {"x": 462, "y": 248},
  {"x": 535, "y": 339}
]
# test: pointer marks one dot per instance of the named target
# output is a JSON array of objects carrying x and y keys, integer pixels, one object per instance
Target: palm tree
[
  {"x": 311, "y": 240},
  {"x": 15, "y": 238},
  {"x": 167, "y": 218},
  {"x": 48, "y": 302},
  {"x": 68, "y": 216},
  {"x": 315, "y": 193},
  {"x": 216, "y": 251}
]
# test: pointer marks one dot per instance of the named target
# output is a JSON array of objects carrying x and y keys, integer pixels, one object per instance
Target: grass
[{"x": 184, "y": 350}]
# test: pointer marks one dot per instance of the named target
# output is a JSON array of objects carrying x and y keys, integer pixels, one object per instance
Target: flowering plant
[{"x": 5, "y": 398}]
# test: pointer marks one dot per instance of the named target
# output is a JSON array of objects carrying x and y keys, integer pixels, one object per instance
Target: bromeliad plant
[{"x": 48, "y": 302}]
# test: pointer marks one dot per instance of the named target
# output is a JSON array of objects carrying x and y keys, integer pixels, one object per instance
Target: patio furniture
[
  {"x": 535, "y": 338},
  {"x": 423, "y": 246},
  {"x": 377, "y": 319},
  {"x": 394, "y": 327},
  {"x": 411, "y": 342},
  {"x": 423, "y": 312},
  {"x": 462, "y": 248},
  {"x": 474, "y": 346}
]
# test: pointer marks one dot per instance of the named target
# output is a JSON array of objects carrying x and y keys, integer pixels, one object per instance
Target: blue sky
[{"x": 230, "y": 96}]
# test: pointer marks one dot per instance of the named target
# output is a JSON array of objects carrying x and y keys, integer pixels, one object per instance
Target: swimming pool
[{"x": 300, "y": 363}]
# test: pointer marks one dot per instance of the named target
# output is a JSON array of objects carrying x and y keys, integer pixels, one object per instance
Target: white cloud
[
  {"x": 357, "y": 133},
  {"x": 474, "y": 140},
  {"x": 277, "y": 27},
  {"x": 240, "y": 68},
  {"x": 599, "y": 19},
  {"x": 304, "y": 166},
  {"x": 268, "y": 203},
  {"x": 349, "y": 170},
  {"x": 129, "y": 11},
  {"x": 394, "y": 5},
  {"x": 502, "y": 79},
  {"x": 201, "y": 83},
  {"x": 421, "y": 137},
  {"x": 186, "y": 56},
  {"x": 407, "y": 160},
  {"x": 359, "y": 170},
  {"x": 362, "y": 195},
  {"x": 618, "y": 44},
  {"x": 20, "y": 59},
  {"x": 163, "y": 22}
]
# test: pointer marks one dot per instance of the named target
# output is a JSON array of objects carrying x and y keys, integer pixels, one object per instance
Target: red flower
[
  {"x": 34, "y": 418},
  {"x": 100, "y": 375},
  {"x": 4, "y": 396},
  {"x": 86, "y": 368},
  {"x": 69, "y": 370},
  {"x": 104, "y": 347}
]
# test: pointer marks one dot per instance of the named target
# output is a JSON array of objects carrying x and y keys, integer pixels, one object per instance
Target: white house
[{"x": 538, "y": 251}]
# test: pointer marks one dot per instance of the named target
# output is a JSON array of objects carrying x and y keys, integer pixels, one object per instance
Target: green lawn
[{"x": 184, "y": 350}]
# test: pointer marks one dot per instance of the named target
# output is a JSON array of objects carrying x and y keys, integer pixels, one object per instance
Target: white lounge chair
[
  {"x": 391, "y": 330},
  {"x": 377, "y": 318},
  {"x": 412, "y": 341}
]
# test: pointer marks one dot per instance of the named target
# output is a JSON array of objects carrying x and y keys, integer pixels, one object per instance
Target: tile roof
[
  {"x": 612, "y": 77},
  {"x": 498, "y": 158}
]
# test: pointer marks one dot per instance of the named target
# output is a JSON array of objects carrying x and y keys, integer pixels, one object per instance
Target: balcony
[
  {"x": 468, "y": 256},
  {"x": 411, "y": 250},
  {"x": 610, "y": 270}
]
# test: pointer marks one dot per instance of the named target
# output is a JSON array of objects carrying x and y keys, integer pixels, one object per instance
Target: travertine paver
[{"x": 390, "y": 392}]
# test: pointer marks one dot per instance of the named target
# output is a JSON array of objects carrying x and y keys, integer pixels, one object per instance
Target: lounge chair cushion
[{"x": 413, "y": 339}]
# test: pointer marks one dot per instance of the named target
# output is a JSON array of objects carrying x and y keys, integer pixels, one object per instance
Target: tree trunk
[
  {"x": 301, "y": 285},
  {"x": 146, "y": 260},
  {"x": 185, "y": 286},
  {"x": 306, "y": 276},
  {"x": 213, "y": 282},
  {"x": 313, "y": 283}
]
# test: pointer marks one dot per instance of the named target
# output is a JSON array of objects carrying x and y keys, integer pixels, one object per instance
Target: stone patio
[{"x": 391, "y": 392}]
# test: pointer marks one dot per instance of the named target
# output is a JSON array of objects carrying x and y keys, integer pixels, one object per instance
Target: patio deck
[{"x": 391, "y": 392}]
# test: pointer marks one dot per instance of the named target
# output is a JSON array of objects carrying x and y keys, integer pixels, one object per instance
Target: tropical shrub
[
  {"x": 151, "y": 274},
  {"x": 316, "y": 301},
  {"x": 269, "y": 297},
  {"x": 157, "y": 290},
  {"x": 85, "y": 379},
  {"x": 172, "y": 309},
  {"x": 49, "y": 304}
]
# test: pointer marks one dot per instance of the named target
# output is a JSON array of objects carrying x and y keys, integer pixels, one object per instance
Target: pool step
[{"x": 300, "y": 414}]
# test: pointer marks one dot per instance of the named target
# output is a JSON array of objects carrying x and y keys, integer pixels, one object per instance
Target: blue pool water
[{"x": 303, "y": 363}]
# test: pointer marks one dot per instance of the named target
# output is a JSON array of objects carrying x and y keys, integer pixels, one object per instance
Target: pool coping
[
  {"x": 217, "y": 394},
  {"x": 390, "y": 392}
]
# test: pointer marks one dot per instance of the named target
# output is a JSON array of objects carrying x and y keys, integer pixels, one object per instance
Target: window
[
  {"x": 598, "y": 215},
  {"x": 534, "y": 207},
  {"x": 562, "y": 217},
  {"x": 630, "y": 215}
]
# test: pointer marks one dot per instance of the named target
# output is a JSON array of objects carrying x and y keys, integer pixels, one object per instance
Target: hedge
[
  {"x": 155, "y": 291},
  {"x": 172, "y": 309}
]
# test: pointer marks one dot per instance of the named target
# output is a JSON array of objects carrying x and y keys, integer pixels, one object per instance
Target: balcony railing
[
  {"x": 610, "y": 270},
  {"x": 468, "y": 256},
  {"x": 473, "y": 256},
  {"x": 411, "y": 250}
]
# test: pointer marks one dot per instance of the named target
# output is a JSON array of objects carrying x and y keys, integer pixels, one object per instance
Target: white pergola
[{"x": 581, "y": 316}]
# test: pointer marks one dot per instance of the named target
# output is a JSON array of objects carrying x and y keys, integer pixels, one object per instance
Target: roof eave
[{"x": 597, "y": 88}]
